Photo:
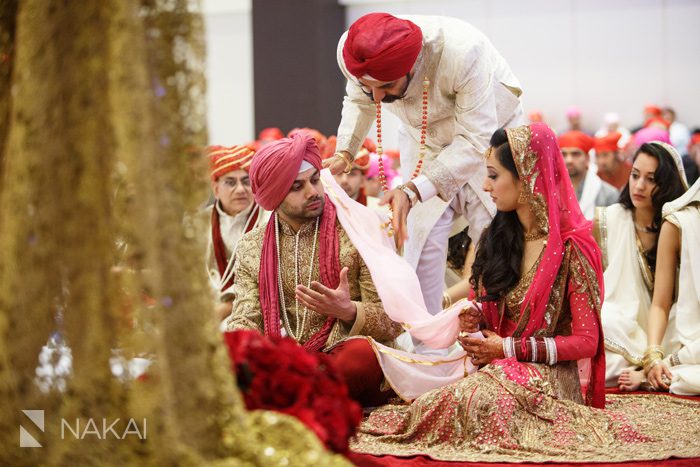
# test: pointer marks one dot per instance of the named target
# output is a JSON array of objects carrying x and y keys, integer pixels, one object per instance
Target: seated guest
[
  {"x": 691, "y": 161},
  {"x": 678, "y": 257},
  {"x": 301, "y": 276},
  {"x": 233, "y": 213},
  {"x": 628, "y": 236},
  {"x": 590, "y": 190},
  {"x": 612, "y": 168}
]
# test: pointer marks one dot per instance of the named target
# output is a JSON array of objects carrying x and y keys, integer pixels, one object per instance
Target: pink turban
[
  {"x": 382, "y": 46},
  {"x": 276, "y": 165},
  {"x": 651, "y": 133}
]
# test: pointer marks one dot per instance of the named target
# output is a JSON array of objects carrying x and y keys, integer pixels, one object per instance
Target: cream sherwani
[{"x": 472, "y": 93}]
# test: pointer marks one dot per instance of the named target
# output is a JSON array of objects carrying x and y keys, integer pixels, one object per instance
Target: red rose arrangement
[{"x": 278, "y": 374}]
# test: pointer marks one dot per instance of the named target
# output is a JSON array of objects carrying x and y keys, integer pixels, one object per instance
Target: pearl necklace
[{"x": 285, "y": 320}]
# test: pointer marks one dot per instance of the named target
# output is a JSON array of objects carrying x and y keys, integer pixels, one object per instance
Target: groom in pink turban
[{"x": 301, "y": 276}]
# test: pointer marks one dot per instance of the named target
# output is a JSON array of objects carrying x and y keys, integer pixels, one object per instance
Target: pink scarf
[
  {"x": 537, "y": 153},
  {"x": 329, "y": 268}
]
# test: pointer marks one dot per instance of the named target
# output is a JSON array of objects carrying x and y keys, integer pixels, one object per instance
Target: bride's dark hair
[{"x": 500, "y": 249}]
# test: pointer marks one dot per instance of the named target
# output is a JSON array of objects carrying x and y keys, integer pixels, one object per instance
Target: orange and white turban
[{"x": 223, "y": 160}]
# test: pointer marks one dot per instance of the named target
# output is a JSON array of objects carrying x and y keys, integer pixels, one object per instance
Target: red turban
[
  {"x": 392, "y": 154},
  {"x": 382, "y": 46},
  {"x": 657, "y": 122},
  {"x": 576, "y": 139},
  {"x": 694, "y": 139},
  {"x": 223, "y": 160},
  {"x": 276, "y": 165},
  {"x": 271, "y": 133},
  {"x": 329, "y": 148},
  {"x": 607, "y": 143},
  {"x": 652, "y": 110},
  {"x": 362, "y": 157}
]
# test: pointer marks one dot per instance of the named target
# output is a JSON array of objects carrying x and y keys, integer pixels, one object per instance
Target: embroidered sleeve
[
  {"x": 476, "y": 118},
  {"x": 584, "y": 301},
  {"x": 371, "y": 319},
  {"x": 246, "y": 313}
]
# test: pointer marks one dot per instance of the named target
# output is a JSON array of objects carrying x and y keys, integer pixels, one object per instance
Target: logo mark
[{"x": 26, "y": 440}]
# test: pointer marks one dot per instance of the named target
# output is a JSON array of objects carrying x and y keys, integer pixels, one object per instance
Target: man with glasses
[
  {"x": 233, "y": 213},
  {"x": 451, "y": 90}
]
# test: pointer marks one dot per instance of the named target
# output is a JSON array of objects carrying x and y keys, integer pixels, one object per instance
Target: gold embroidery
[
  {"x": 525, "y": 161},
  {"x": 647, "y": 273},
  {"x": 486, "y": 417},
  {"x": 515, "y": 297},
  {"x": 618, "y": 348},
  {"x": 600, "y": 232},
  {"x": 246, "y": 307}
]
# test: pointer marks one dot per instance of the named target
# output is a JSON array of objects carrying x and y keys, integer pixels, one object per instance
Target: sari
[
  {"x": 629, "y": 286},
  {"x": 684, "y": 213},
  {"x": 532, "y": 407}
]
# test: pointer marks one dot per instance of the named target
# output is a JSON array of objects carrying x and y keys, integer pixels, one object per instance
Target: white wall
[
  {"x": 230, "y": 106},
  {"x": 602, "y": 55}
]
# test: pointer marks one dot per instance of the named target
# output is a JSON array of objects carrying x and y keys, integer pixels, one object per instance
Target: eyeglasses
[{"x": 232, "y": 183}]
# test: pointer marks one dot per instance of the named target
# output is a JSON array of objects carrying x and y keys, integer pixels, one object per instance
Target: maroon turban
[
  {"x": 382, "y": 46},
  {"x": 276, "y": 165}
]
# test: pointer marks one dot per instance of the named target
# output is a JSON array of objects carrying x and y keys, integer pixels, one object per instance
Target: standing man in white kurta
[{"x": 470, "y": 91}]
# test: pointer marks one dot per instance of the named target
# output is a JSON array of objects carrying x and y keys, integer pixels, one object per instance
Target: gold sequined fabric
[
  {"x": 513, "y": 411},
  {"x": 102, "y": 112},
  {"x": 247, "y": 314},
  {"x": 525, "y": 159},
  {"x": 502, "y": 414}
]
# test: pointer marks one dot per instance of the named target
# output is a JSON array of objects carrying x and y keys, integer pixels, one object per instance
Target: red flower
[{"x": 278, "y": 374}]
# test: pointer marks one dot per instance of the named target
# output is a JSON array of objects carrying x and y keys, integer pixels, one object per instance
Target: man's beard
[{"x": 389, "y": 98}]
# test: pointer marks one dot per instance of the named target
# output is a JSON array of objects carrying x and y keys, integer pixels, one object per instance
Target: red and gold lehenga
[{"x": 531, "y": 407}]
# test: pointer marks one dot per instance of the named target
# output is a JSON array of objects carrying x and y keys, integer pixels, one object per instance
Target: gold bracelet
[
  {"x": 648, "y": 366},
  {"x": 348, "y": 163},
  {"x": 446, "y": 298}
]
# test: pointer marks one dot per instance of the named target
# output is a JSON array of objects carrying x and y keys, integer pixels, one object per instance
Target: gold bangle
[
  {"x": 344, "y": 158},
  {"x": 648, "y": 366},
  {"x": 446, "y": 298}
]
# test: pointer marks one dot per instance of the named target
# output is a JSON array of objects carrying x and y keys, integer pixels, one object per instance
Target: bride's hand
[
  {"x": 469, "y": 319},
  {"x": 483, "y": 351}
]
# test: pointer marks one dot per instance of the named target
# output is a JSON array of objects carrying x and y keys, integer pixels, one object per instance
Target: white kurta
[
  {"x": 595, "y": 193},
  {"x": 472, "y": 93},
  {"x": 232, "y": 229},
  {"x": 686, "y": 376},
  {"x": 628, "y": 293}
]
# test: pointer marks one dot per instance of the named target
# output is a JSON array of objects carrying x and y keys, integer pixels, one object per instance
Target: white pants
[{"x": 433, "y": 262}]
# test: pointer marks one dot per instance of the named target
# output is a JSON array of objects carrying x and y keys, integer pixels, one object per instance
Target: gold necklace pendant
[{"x": 534, "y": 236}]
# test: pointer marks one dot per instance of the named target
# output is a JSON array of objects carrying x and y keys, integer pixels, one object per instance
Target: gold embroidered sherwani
[{"x": 371, "y": 319}]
